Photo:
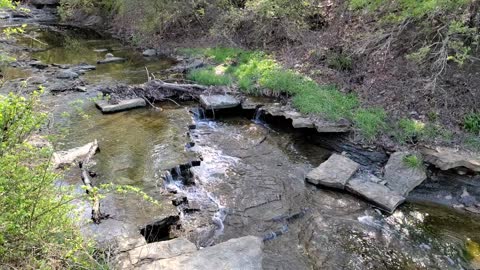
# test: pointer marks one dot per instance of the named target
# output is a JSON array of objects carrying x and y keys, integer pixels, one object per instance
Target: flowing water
[{"x": 250, "y": 180}]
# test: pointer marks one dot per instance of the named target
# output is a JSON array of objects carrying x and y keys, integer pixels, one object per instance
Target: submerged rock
[
  {"x": 122, "y": 105},
  {"x": 335, "y": 172},
  {"x": 110, "y": 58},
  {"x": 446, "y": 158},
  {"x": 403, "y": 178},
  {"x": 216, "y": 102}
]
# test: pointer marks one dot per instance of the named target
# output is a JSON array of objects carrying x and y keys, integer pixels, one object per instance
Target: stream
[{"x": 233, "y": 176}]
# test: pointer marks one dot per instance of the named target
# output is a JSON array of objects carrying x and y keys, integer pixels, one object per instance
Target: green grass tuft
[
  {"x": 339, "y": 61},
  {"x": 370, "y": 122},
  {"x": 223, "y": 54},
  {"x": 207, "y": 76},
  {"x": 413, "y": 161},
  {"x": 471, "y": 123}
]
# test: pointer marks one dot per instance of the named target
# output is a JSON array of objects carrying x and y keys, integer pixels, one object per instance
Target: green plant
[
  {"x": 471, "y": 123},
  {"x": 410, "y": 129},
  {"x": 370, "y": 122},
  {"x": 413, "y": 161},
  {"x": 208, "y": 76},
  {"x": 339, "y": 61}
]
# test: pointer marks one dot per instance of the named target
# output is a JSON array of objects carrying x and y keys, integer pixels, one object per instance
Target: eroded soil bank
[{"x": 233, "y": 176}]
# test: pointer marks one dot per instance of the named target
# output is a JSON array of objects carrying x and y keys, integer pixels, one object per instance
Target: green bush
[
  {"x": 471, "y": 123},
  {"x": 37, "y": 229},
  {"x": 370, "y": 122}
]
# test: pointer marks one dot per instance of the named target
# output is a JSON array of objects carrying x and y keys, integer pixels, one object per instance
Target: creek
[{"x": 241, "y": 175}]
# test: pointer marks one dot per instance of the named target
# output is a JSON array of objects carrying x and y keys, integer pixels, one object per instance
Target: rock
[
  {"x": 161, "y": 250},
  {"x": 38, "y": 64},
  {"x": 400, "y": 177},
  {"x": 216, "y": 102},
  {"x": 446, "y": 158},
  {"x": 45, "y": 2},
  {"x": 61, "y": 159},
  {"x": 66, "y": 74},
  {"x": 375, "y": 192},
  {"x": 252, "y": 103},
  {"x": 340, "y": 126},
  {"x": 150, "y": 52},
  {"x": 235, "y": 254},
  {"x": 129, "y": 243},
  {"x": 100, "y": 50},
  {"x": 335, "y": 172},
  {"x": 109, "y": 58},
  {"x": 122, "y": 105},
  {"x": 184, "y": 67},
  {"x": 62, "y": 86},
  {"x": 82, "y": 68}
]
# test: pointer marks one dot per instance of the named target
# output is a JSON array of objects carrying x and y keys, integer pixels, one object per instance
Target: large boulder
[
  {"x": 216, "y": 102},
  {"x": 235, "y": 254},
  {"x": 122, "y": 105},
  {"x": 335, "y": 172},
  {"x": 160, "y": 250},
  {"x": 446, "y": 158},
  {"x": 402, "y": 177},
  {"x": 372, "y": 189}
]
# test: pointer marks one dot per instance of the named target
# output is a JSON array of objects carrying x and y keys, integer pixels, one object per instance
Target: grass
[
  {"x": 208, "y": 76},
  {"x": 471, "y": 123},
  {"x": 257, "y": 73},
  {"x": 413, "y": 161},
  {"x": 370, "y": 122}
]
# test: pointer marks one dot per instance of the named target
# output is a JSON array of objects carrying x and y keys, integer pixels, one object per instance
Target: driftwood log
[
  {"x": 97, "y": 215},
  {"x": 158, "y": 90}
]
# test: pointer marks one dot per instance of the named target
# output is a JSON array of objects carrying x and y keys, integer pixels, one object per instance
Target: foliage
[
  {"x": 209, "y": 76},
  {"x": 412, "y": 161},
  {"x": 471, "y": 123},
  {"x": 36, "y": 230},
  {"x": 370, "y": 122}
]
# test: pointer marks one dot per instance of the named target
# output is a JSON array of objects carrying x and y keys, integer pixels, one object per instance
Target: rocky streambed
[{"x": 231, "y": 184}]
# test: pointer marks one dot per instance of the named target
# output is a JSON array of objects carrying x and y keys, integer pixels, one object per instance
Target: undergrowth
[{"x": 413, "y": 161}]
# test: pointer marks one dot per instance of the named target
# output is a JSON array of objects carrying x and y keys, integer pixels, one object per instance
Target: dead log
[
  {"x": 97, "y": 215},
  {"x": 158, "y": 90}
]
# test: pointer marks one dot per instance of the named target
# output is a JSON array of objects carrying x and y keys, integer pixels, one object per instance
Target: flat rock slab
[
  {"x": 335, "y": 172},
  {"x": 122, "y": 105},
  {"x": 216, "y": 102},
  {"x": 111, "y": 60},
  {"x": 236, "y": 254},
  {"x": 161, "y": 250},
  {"x": 376, "y": 193},
  {"x": 400, "y": 177},
  {"x": 446, "y": 158}
]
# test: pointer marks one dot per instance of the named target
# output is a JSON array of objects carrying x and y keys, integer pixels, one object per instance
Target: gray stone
[
  {"x": 161, "y": 250},
  {"x": 375, "y": 192},
  {"x": 38, "y": 64},
  {"x": 215, "y": 102},
  {"x": 45, "y": 2},
  {"x": 446, "y": 158},
  {"x": 150, "y": 52},
  {"x": 66, "y": 74},
  {"x": 184, "y": 67},
  {"x": 400, "y": 177},
  {"x": 235, "y": 254},
  {"x": 335, "y": 172},
  {"x": 122, "y": 105},
  {"x": 100, "y": 50},
  {"x": 339, "y": 126}
]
